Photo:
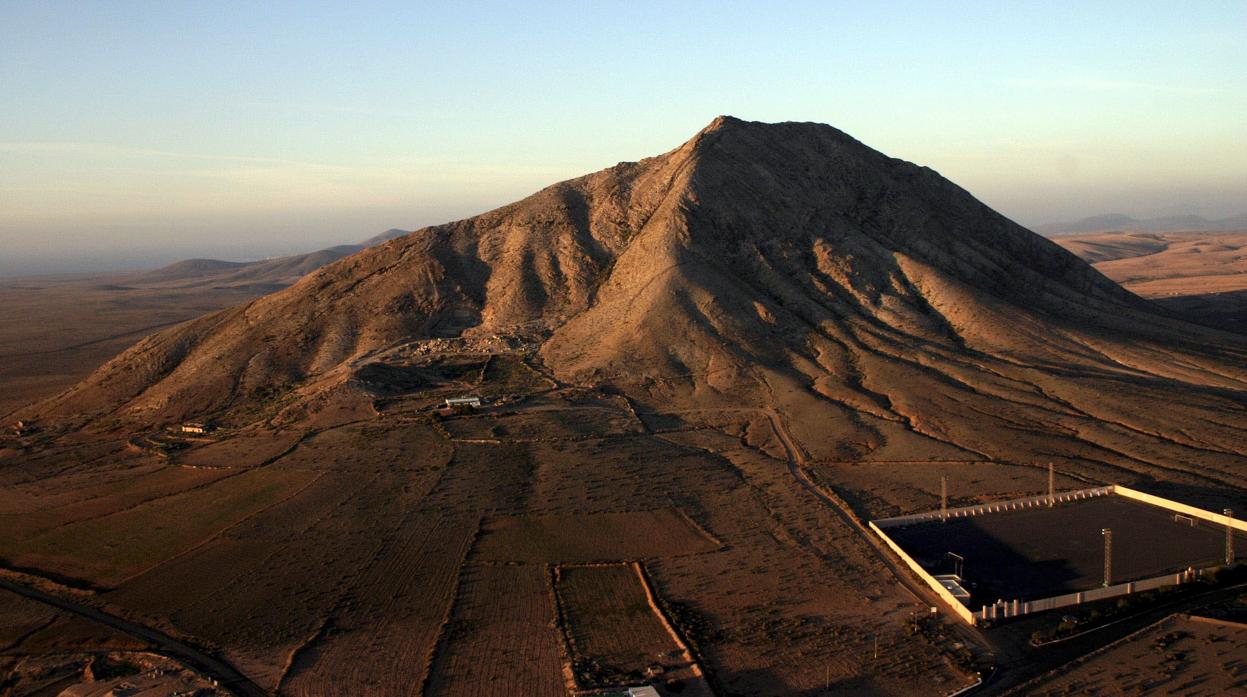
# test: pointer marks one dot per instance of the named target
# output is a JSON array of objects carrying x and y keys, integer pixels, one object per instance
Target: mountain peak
[{"x": 751, "y": 244}]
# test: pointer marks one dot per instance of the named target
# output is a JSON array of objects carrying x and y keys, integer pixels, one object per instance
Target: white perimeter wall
[
  {"x": 955, "y": 605},
  {"x": 1017, "y": 608}
]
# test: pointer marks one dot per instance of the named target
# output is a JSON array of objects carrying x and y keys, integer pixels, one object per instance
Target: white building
[{"x": 474, "y": 402}]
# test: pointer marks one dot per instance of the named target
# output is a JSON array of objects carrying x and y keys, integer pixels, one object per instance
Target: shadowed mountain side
[{"x": 867, "y": 301}]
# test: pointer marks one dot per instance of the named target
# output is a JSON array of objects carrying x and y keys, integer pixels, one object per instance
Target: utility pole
[
  {"x": 1229, "y": 538},
  {"x": 1108, "y": 555},
  {"x": 1051, "y": 486},
  {"x": 944, "y": 498}
]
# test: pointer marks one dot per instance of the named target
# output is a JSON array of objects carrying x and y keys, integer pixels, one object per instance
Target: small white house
[
  {"x": 474, "y": 402},
  {"x": 646, "y": 691},
  {"x": 196, "y": 427}
]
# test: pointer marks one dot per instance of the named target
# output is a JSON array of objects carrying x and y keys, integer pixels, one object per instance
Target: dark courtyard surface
[{"x": 1041, "y": 552}]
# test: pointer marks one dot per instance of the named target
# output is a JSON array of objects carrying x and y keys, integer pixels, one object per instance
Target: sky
[{"x": 137, "y": 133}]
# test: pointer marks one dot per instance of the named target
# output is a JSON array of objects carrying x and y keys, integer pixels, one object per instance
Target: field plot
[
  {"x": 501, "y": 636},
  {"x": 1181, "y": 655},
  {"x": 244, "y": 450},
  {"x": 506, "y": 372},
  {"x": 1039, "y": 552},
  {"x": 363, "y": 447},
  {"x": 592, "y": 537},
  {"x": 21, "y": 617},
  {"x": 110, "y": 548},
  {"x": 29, "y": 627},
  {"x": 614, "y": 634},
  {"x": 381, "y": 638},
  {"x": 544, "y": 423},
  {"x": 32, "y": 510}
]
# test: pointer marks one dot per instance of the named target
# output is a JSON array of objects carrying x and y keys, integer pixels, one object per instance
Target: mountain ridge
[{"x": 1117, "y": 222}]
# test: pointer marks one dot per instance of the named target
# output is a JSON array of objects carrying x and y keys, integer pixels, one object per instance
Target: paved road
[{"x": 226, "y": 675}]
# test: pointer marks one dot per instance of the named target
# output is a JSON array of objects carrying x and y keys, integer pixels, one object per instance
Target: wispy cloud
[
  {"x": 406, "y": 166},
  {"x": 107, "y": 150},
  {"x": 1108, "y": 85}
]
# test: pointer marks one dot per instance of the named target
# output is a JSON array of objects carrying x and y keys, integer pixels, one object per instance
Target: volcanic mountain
[{"x": 876, "y": 307}]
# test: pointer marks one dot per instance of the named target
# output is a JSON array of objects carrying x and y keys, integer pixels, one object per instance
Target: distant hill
[
  {"x": 1199, "y": 276},
  {"x": 1116, "y": 222},
  {"x": 266, "y": 275}
]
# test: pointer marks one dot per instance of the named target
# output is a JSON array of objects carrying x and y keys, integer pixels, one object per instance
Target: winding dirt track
[{"x": 226, "y": 675}]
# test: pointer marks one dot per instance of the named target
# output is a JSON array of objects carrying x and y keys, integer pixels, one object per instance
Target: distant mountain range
[{"x": 1116, "y": 222}]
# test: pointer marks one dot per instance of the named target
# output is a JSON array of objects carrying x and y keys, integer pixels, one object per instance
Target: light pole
[
  {"x": 944, "y": 498},
  {"x": 1229, "y": 538},
  {"x": 1108, "y": 555}
]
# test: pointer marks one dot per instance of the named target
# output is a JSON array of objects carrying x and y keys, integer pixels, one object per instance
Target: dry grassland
[
  {"x": 545, "y": 424},
  {"x": 381, "y": 638},
  {"x": 240, "y": 450},
  {"x": 1198, "y": 275},
  {"x": 501, "y": 635},
  {"x": 369, "y": 447},
  {"x": 56, "y": 330},
  {"x": 1180, "y": 655},
  {"x": 113, "y": 547},
  {"x": 612, "y": 632},
  {"x": 33, "y": 510},
  {"x": 593, "y": 537}
]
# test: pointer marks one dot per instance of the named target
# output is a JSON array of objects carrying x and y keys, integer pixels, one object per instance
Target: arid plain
[{"x": 700, "y": 374}]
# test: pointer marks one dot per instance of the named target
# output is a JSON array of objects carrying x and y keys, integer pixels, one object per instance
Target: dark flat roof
[{"x": 1040, "y": 552}]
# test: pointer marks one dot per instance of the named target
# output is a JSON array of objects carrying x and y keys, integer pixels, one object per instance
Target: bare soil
[{"x": 1181, "y": 655}]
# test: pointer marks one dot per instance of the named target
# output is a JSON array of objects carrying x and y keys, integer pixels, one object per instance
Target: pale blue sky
[{"x": 137, "y": 132}]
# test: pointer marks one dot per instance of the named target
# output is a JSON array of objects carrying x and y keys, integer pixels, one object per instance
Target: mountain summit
[{"x": 781, "y": 266}]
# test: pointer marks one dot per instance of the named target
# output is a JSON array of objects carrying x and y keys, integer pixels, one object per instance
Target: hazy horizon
[{"x": 138, "y": 136}]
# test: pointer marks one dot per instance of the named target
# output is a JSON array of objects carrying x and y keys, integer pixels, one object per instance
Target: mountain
[
  {"x": 1115, "y": 222},
  {"x": 872, "y": 303}
]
